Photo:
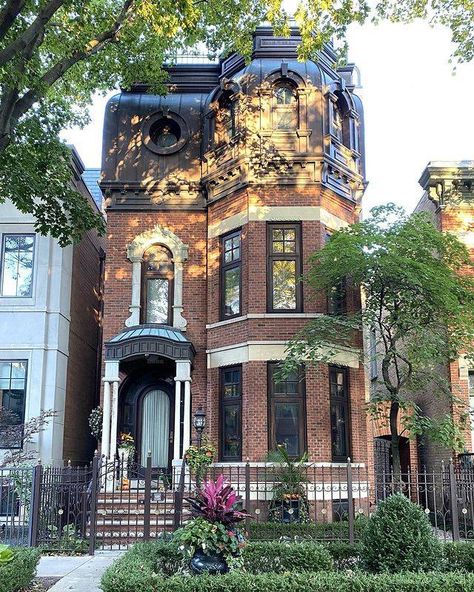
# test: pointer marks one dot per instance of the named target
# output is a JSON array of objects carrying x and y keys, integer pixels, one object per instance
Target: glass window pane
[
  {"x": 285, "y": 119},
  {"x": 278, "y": 247},
  {"x": 277, "y": 234},
  {"x": 17, "y": 265},
  {"x": 287, "y": 427},
  {"x": 284, "y": 95},
  {"x": 231, "y": 423},
  {"x": 284, "y": 284},
  {"x": 157, "y": 299},
  {"x": 18, "y": 369},
  {"x": 5, "y": 369},
  {"x": 232, "y": 292},
  {"x": 338, "y": 430}
]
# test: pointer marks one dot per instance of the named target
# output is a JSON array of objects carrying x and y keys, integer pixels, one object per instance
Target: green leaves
[{"x": 6, "y": 554}]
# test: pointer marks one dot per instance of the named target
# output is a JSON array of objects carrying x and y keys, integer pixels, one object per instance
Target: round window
[{"x": 165, "y": 133}]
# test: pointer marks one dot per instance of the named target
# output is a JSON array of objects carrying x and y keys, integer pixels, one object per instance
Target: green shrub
[
  {"x": 399, "y": 537},
  {"x": 344, "y": 555},
  {"x": 20, "y": 571},
  {"x": 303, "y": 582},
  {"x": 459, "y": 557},
  {"x": 314, "y": 531},
  {"x": 279, "y": 557}
]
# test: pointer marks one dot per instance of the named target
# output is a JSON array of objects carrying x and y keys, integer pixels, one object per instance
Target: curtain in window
[{"x": 155, "y": 428}]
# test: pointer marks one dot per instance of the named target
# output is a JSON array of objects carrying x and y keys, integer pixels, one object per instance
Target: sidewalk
[{"x": 78, "y": 574}]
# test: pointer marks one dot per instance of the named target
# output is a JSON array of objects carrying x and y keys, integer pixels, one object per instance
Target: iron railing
[{"x": 112, "y": 504}]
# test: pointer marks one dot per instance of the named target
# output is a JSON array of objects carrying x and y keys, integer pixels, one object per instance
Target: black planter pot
[{"x": 211, "y": 564}]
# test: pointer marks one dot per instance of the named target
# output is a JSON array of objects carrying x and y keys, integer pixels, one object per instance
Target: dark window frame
[
  {"x": 22, "y": 418},
  {"x": 224, "y": 267},
  {"x": 297, "y": 257},
  {"x": 149, "y": 275},
  {"x": 273, "y": 398},
  {"x": 223, "y": 403},
  {"x": 2, "y": 263},
  {"x": 344, "y": 400},
  {"x": 222, "y": 135}
]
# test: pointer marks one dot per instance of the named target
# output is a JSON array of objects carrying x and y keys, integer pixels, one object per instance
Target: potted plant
[
  {"x": 199, "y": 459},
  {"x": 125, "y": 449},
  {"x": 290, "y": 502},
  {"x": 211, "y": 539}
]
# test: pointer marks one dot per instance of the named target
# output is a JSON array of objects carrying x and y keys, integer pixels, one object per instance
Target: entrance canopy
[{"x": 145, "y": 340}]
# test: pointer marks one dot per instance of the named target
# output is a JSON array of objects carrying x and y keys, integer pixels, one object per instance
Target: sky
[{"x": 416, "y": 109}]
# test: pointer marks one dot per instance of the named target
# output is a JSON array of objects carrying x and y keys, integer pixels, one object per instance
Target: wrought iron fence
[{"x": 111, "y": 504}]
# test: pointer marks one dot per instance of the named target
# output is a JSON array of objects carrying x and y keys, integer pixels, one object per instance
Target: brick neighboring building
[
  {"x": 449, "y": 197},
  {"x": 216, "y": 195},
  {"x": 50, "y": 333}
]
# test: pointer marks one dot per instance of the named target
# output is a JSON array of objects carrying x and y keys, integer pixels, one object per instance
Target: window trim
[
  {"x": 297, "y": 256},
  {"x": 346, "y": 402},
  {"x": 26, "y": 362},
  {"x": 273, "y": 398},
  {"x": 227, "y": 267},
  {"x": 145, "y": 276},
  {"x": 2, "y": 267},
  {"x": 222, "y": 405}
]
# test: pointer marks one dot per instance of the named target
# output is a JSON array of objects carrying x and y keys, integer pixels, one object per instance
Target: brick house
[
  {"x": 448, "y": 193},
  {"x": 216, "y": 194},
  {"x": 50, "y": 308}
]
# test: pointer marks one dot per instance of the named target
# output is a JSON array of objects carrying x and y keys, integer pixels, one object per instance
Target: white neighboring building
[{"x": 50, "y": 329}]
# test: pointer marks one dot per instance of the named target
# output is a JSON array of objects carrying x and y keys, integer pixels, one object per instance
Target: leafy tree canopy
[
  {"x": 55, "y": 54},
  {"x": 418, "y": 293}
]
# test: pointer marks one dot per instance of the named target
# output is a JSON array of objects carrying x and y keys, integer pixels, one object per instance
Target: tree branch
[
  {"x": 8, "y": 15},
  {"x": 37, "y": 27},
  {"x": 61, "y": 67}
]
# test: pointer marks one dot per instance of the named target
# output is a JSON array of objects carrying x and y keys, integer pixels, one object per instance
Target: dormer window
[
  {"x": 285, "y": 107},
  {"x": 157, "y": 285},
  {"x": 337, "y": 122},
  {"x": 225, "y": 127}
]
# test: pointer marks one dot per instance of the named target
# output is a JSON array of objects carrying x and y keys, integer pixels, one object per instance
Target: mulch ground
[{"x": 42, "y": 584}]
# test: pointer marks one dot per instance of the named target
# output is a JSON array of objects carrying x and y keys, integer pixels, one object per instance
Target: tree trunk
[{"x": 395, "y": 443}]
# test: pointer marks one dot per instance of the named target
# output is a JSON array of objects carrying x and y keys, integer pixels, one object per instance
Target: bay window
[
  {"x": 287, "y": 412},
  {"x": 284, "y": 268}
]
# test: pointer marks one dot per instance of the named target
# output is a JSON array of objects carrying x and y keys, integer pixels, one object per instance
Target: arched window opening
[
  {"x": 337, "y": 123},
  {"x": 285, "y": 107},
  {"x": 225, "y": 127},
  {"x": 157, "y": 285}
]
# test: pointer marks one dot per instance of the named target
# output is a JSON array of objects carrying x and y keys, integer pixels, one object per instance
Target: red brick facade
[{"x": 319, "y": 191}]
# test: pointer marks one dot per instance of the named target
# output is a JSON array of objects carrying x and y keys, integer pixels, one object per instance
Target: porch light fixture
[{"x": 199, "y": 423}]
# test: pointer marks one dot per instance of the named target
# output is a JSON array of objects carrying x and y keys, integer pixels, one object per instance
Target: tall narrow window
[
  {"x": 231, "y": 414},
  {"x": 17, "y": 265},
  {"x": 287, "y": 415},
  {"x": 339, "y": 398},
  {"x": 231, "y": 262},
  {"x": 225, "y": 125},
  {"x": 374, "y": 370},
  {"x": 284, "y": 267},
  {"x": 12, "y": 399},
  {"x": 285, "y": 107},
  {"x": 337, "y": 294},
  {"x": 471, "y": 405},
  {"x": 157, "y": 286}
]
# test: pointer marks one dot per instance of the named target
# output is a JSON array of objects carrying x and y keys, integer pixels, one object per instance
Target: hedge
[
  {"x": 289, "y": 582},
  {"x": 316, "y": 531},
  {"x": 279, "y": 558},
  {"x": 20, "y": 571},
  {"x": 459, "y": 557},
  {"x": 344, "y": 555}
]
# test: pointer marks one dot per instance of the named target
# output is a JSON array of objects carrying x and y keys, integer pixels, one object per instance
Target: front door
[{"x": 155, "y": 427}]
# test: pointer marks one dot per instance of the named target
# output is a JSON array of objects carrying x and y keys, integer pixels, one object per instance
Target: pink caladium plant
[{"x": 215, "y": 501}]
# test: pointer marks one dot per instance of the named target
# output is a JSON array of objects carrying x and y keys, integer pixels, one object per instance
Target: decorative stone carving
[{"x": 135, "y": 251}]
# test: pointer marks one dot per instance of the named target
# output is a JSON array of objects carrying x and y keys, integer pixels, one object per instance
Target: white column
[
  {"x": 113, "y": 428},
  {"x": 177, "y": 420},
  {"x": 106, "y": 419},
  {"x": 187, "y": 415}
]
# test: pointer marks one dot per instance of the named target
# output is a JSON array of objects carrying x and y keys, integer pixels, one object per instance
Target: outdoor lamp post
[{"x": 199, "y": 423}]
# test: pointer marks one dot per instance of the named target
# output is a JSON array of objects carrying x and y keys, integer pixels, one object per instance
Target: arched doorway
[{"x": 155, "y": 427}]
